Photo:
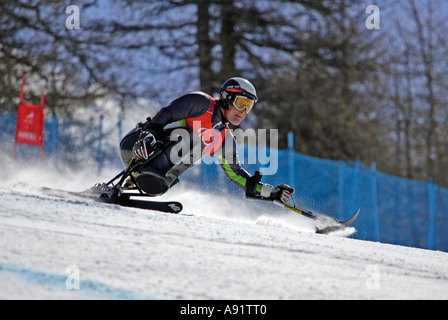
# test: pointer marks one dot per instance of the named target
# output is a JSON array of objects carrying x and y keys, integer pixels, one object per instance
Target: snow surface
[{"x": 222, "y": 247}]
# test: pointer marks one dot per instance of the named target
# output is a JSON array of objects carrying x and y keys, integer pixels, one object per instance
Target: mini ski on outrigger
[{"x": 330, "y": 224}]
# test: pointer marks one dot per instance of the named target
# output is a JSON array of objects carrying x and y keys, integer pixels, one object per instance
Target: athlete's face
[{"x": 235, "y": 116}]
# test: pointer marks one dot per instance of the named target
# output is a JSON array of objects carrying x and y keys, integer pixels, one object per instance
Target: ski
[
  {"x": 124, "y": 199},
  {"x": 330, "y": 224},
  {"x": 341, "y": 225}
]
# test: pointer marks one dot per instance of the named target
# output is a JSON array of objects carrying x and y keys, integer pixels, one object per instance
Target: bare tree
[{"x": 420, "y": 76}]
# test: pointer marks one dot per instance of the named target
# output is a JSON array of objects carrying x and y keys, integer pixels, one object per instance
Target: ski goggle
[{"x": 241, "y": 103}]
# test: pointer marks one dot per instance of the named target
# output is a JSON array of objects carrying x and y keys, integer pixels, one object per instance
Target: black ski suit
[{"x": 163, "y": 171}]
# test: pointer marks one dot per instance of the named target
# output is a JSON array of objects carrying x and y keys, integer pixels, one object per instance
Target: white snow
[{"x": 230, "y": 248}]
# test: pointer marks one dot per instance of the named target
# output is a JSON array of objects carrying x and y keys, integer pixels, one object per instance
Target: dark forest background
[{"x": 345, "y": 91}]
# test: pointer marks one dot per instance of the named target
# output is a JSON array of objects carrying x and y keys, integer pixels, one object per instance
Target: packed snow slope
[{"x": 222, "y": 247}]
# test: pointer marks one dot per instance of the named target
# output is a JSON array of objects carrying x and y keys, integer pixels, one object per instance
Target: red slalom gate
[{"x": 30, "y": 124}]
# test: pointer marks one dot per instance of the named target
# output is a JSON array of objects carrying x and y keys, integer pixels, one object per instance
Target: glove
[
  {"x": 281, "y": 192},
  {"x": 144, "y": 147}
]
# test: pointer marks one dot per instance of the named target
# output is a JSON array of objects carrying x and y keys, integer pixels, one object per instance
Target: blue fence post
[
  {"x": 354, "y": 187},
  {"x": 341, "y": 169},
  {"x": 376, "y": 217},
  {"x": 100, "y": 140},
  {"x": 431, "y": 211},
  {"x": 291, "y": 157}
]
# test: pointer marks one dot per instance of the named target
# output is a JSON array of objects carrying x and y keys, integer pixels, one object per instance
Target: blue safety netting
[{"x": 393, "y": 210}]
